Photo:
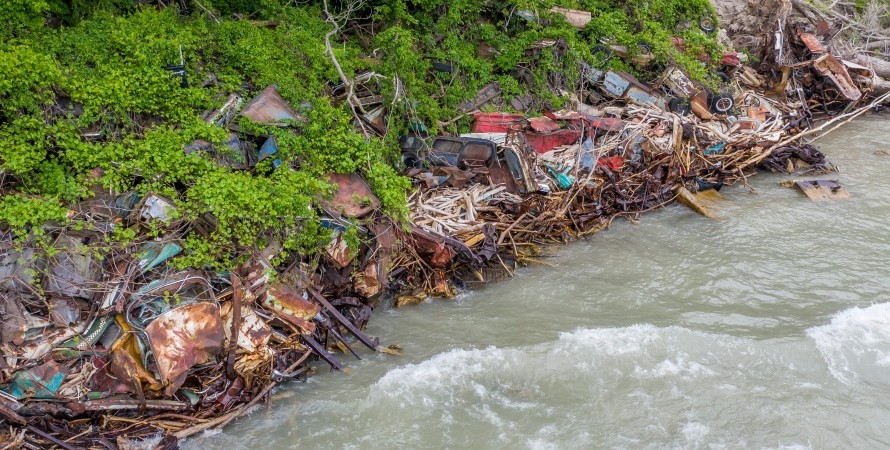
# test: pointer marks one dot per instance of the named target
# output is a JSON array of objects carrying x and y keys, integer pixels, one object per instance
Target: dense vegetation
[{"x": 76, "y": 65}]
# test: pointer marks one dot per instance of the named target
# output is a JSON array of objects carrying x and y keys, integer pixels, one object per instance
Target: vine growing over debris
[{"x": 86, "y": 105}]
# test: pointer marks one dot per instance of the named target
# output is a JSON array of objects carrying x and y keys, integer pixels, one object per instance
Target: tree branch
[
  {"x": 335, "y": 21},
  {"x": 209, "y": 12}
]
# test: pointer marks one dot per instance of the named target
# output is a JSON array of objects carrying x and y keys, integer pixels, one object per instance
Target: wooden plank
[
  {"x": 699, "y": 202},
  {"x": 822, "y": 190}
]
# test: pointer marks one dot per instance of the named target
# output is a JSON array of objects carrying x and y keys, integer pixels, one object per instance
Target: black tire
[
  {"x": 721, "y": 103},
  {"x": 644, "y": 47},
  {"x": 680, "y": 106},
  {"x": 411, "y": 160},
  {"x": 707, "y": 24},
  {"x": 724, "y": 77},
  {"x": 601, "y": 55}
]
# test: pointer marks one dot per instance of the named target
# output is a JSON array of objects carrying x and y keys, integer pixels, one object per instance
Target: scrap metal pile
[{"x": 100, "y": 350}]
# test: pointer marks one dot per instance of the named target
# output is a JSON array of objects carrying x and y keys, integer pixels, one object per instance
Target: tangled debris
[{"x": 100, "y": 351}]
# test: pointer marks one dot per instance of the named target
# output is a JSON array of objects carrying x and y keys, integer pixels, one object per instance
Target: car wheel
[
  {"x": 707, "y": 24},
  {"x": 601, "y": 55},
  {"x": 721, "y": 103},
  {"x": 680, "y": 106}
]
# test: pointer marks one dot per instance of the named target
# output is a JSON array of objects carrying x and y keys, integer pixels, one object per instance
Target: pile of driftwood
[{"x": 580, "y": 188}]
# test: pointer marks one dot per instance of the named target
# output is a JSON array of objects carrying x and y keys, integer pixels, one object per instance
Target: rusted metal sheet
[
  {"x": 500, "y": 175},
  {"x": 291, "y": 306},
  {"x": 353, "y": 197},
  {"x": 857, "y": 69},
  {"x": 253, "y": 334},
  {"x": 607, "y": 124},
  {"x": 128, "y": 371},
  {"x": 338, "y": 251},
  {"x": 812, "y": 42},
  {"x": 184, "y": 337},
  {"x": 127, "y": 356},
  {"x": 442, "y": 256},
  {"x": 863, "y": 76},
  {"x": 430, "y": 243},
  {"x": 445, "y": 174},
  {"x": 699, "y": 105},
  {"x": 497, "y": 122},
  {"x": 828, "y": 66},
  {"x": 366, "y": 282},
  {"x": 269, "y": 108},
  {"x": 376, "y": 119}
]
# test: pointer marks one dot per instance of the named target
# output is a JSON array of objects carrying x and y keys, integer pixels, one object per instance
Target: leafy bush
[{"x": 99, "y": 67}]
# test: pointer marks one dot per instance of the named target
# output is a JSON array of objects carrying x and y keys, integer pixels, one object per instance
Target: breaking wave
[
  {"x": 640, "y": 386},
  {"x": 628, "y": 387},
  {"x": 856, "y": 344}
]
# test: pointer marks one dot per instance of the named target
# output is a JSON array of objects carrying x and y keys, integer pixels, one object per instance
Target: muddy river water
[{"x": 768, "y": 329}]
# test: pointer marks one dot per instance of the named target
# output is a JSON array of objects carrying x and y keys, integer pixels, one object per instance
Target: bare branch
[
  {"x": 209, "y": 12},
  {"x": 338, "y": 22}
]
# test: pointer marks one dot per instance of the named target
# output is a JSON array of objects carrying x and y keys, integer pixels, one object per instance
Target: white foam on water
[
  {"x": 438, "y": 375},
  {"x": 642, "y": 352},
  {"x": 610, "y": 341},
  {"x": 636, "y": 386},
  {"x": 541, "y": 444},
  {"x": 211, "y": 432},
  {"x": 856, "y": 344},
  {"x": 581, "y": 375},
  {"x": 148, "y": 443},
  {"x": 791, "y": 447},
  {"x": 695, "y": 432}
]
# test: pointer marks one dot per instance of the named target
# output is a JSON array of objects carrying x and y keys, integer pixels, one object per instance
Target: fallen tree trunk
[
  {"x": 880, "y": 66},
  {"x": 881, "y": 86}
]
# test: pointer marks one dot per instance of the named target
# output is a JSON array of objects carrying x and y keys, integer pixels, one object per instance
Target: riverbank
[{"x": 215, "y": 259}]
